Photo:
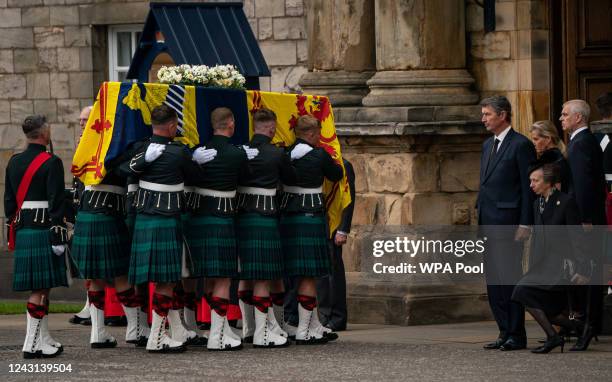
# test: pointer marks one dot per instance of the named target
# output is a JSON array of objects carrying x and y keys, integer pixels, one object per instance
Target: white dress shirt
[
  {"x": 501, "y": 136},
  {"x": 577, "y": 131}
]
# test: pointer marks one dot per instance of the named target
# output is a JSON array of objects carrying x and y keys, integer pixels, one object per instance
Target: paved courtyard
[{"x": 364, "y": 352}]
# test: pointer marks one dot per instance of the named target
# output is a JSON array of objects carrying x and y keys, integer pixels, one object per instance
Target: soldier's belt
[
  {"x": 161, "y": 187},
  {"x": 34, "y": 204},
  {"x": 189, "y": 189},
  {"x": 215, "y": 193},
  {"x": 257, "y": 191},
  {"x": 302, "y": 190},
  {"x": 106, "y": 188},
  {"x": 132, "y": 187}
]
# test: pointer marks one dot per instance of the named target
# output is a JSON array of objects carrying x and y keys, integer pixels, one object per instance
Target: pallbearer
[
  {"x": 211, "y": 233},
  {"x": 33, "y": 203},
  {"x": 303, "y": 228},
  {"x": 101, "y": 249},
  {"x": 260, "y": 250},
  {"x": 184, "y": 304},
  {"x": 157, "y": 243}
]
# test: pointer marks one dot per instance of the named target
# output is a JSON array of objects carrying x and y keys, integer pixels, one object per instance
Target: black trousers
[
  {"x": 509, "y": 315},
  {"x": 503, "y": 269},
  {"x": 331, "y": 292}
]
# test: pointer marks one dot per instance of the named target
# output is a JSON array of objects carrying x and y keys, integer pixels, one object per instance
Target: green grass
[{"x": 19, "y": 307}]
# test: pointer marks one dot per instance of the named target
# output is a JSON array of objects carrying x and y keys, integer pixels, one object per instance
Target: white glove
[
  {"x": 251, "y": 153},
  {"x": 300, "y": 150},
  {"x": 154, "y": 151},
  {"x": 202, "y": 155},
  {"x": 58, "y": 249}
]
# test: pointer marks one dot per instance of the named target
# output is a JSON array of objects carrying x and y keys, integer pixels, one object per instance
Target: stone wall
[
  {"x": 513, "y": 59},
  {"x": 411, "y": 175}
]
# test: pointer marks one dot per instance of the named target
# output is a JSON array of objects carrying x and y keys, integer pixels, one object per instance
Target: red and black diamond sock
[
  {"x": 129, "y": 298},
  {"x": 246, "y": 296},
  {"x": 278, "y": 298},
  {"x": 307, "y": 302},
  {"x": 219, "y": 305},
  {"x": 161, "y": 304},
  {"x": 36, "y": 311},
  {"x": 262, "y": 303},
  {"x": 189, "y": 300},
  {"x": 96, "y": 298},
  {"x": 178, "y": 299}
]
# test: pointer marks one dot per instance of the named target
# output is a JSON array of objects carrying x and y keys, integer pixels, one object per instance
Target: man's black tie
[{"x": 492, "y": 155}]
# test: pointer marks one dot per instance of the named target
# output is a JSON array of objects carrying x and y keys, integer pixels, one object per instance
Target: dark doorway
[{"x": 581, "y": 51}]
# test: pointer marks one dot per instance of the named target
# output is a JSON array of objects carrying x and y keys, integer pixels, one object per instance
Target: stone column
[
  {"x": 341, "y": 52},
  {"x": 420, "y": 54}
]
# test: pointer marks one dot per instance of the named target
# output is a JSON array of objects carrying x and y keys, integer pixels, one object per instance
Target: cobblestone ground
[{"x": 364, "y": 352}]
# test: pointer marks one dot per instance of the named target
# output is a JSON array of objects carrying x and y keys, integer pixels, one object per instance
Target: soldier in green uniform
[
  {"x": 184, "y": 305},
  {"x": 190, "y": 282},
  {"x": 36, "y": 211},
  {"x": 157, "y": 244},
  {"x": 303, "y": 225},
  {"x": 210, "y": 234},
  {"x": 260, "y": 249},
  {"x": 101, "y": 249}
]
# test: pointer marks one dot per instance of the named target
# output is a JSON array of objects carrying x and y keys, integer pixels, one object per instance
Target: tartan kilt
[
  {"x": 259, "y": 247},
  {"x": 100, "y": 246},
  {"x": 305, "y": 248},
  {"x": 212, "y": 242},
  {"x": 35, "y": 264},
  {"x": 157, "y": 249}
]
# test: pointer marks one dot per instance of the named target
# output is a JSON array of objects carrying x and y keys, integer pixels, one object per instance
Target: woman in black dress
[{"x": 543, "y": 289}]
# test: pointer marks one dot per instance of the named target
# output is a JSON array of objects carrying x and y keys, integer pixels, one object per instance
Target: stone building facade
[{"x": 404, "y": 78}]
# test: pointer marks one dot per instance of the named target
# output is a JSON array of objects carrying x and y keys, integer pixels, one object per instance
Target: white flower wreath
[{"x": 220, "y": 76}]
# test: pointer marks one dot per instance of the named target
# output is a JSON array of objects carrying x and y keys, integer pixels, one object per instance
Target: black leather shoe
[
  {"x": 115, "y": 321},
  {"x": 495, "y": 345},
  {"x": 513, "y": 344},
  {"x": 79, "y": 321}
]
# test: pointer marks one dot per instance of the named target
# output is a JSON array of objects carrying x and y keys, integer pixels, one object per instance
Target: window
[{"x": 122, "y": 43}]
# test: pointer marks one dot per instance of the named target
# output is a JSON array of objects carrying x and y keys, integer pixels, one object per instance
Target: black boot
[{"x": 584, "y": 340}]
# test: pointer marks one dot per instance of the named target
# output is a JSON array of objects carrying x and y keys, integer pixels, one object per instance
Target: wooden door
[{"x": 587, "y": 50}]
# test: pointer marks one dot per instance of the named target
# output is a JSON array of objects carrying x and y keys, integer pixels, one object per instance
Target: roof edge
[{"x": 192, "y": 4}]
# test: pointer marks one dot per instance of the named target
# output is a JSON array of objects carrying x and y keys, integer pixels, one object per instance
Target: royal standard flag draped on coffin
[{"x": 121, "y": 116}]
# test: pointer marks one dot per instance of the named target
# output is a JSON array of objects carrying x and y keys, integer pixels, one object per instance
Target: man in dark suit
[
  {"x": 588, "y": 187},
  {"x": 504, "y": 199},
  {"x": 586, "y": 163},
  {"x": 331, "y": 289}
]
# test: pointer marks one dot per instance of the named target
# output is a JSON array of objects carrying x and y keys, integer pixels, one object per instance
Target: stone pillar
[
  {"x": 341, "y": 52},
  {"x": 420, "y": 54}
]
